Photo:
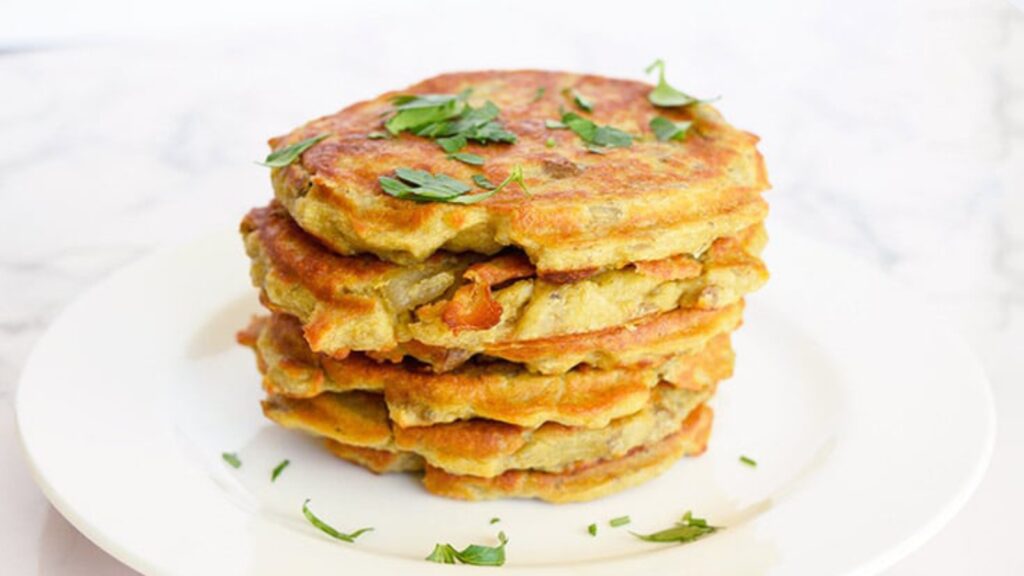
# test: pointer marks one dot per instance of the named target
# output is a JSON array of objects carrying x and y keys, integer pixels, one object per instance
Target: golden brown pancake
[
  {"x": 498, "y": 391},
  {"x": 450, "y": 307},
  {"x": 483, "y": 447},
  {"x": 584, "y": 210},
  {"x": 580, "y": 482}
]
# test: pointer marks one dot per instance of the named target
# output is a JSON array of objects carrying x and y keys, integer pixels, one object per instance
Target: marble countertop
[{"x": 893, "y": 130}]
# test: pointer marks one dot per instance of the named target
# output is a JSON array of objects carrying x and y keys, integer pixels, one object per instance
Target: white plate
[{"x": 871, "y": 425}]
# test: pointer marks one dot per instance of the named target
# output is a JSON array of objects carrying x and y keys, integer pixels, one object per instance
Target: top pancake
[{"x": 583, "y": 211}]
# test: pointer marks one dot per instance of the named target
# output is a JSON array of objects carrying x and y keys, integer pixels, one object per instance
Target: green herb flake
[
  {"x": 597, "y": 137},
  {"x": 554, "y": 125},
  {"x": 328, "y": 529},
  {"x": 748, "y": 461},
  {"x": 665, "y": 129},
  {"x": 664, "y": 95},
  {"x": 686, "y": 530},
  {"x": 378, "y": 135},
  {"x": 448, "y": 119},
  {"x": 232, "y": 459},
  {"x": 581, "y": 101},
  {"x": 474, "y": 554},
  {"x": 550, "y": 143},
  {"x": 592, "y": 529},
  {"x": 482, "y": 181},
  {"x": 285, "y": 156},
  {"x": 539, "y": 94},
  {"x": 278, "y": 469},
  {"x": 421, "y": 186},
  {"x": 620, "y": 521},
  {"x": 495, "y": 520},
  {"x": 467, "y": 158}
]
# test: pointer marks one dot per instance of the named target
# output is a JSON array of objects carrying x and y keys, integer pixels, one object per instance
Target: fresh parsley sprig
[
  {"x": 422, "y": 186},
  {"x": 285, "y": 156},
  {"x": 665, "y": 129},
  {"x": 665, "y": 95},
  {"x": 232, "y": 459},
  {"x": 686, "y": 530},
  {"x": 474, "y": 554},
  {"x": 327, "y": 528}
]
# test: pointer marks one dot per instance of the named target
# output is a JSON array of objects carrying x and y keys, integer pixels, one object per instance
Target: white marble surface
[{"x": 894, "y": 130}]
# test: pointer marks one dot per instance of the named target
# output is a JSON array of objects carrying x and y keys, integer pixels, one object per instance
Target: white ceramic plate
[{"x": 871, "y": 425}]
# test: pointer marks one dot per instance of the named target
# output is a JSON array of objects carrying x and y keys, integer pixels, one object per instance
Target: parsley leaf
[
  {"x": 581, "y": 101},
  {"x": 413, "y": 112},
  {"x": 285, "y": 156},
  {"x": 443, "y": 554},
  {"x": 665, "y": 129},
  {"x": 554, "y": 125},
  {"x": 377, "y": 135},
  {"x": 686, "y": 530},
  {"x": 474, "y": 554},
  {"x": 482, "y": 181},
  {"x": 495, "y": 520},
  {"x": 278, "y": 469},
  {"x": 596, "y": 136},
  {"x": 748, "y": 461},
  {"x": 592, "y": 529},
  {"x": 550, "y": 143},
  {"x": 467, "y": 158},
  {"x": 664, "y": 95},
  {"x": 232, "y": 459},
  {"x": 620, "y": 521},
  {"x": 327, "y": 529},
  {"x": 539, "y": 94},
  {"x": 421, "y": 186},
  {"x": 448, "y": 119}
]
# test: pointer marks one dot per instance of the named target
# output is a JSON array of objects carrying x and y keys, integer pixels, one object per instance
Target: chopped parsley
[
  {"x": 686, "y": 530},
  {"x": 550, "y": 143},
  {"x": 592, "y": 529},
  {"x": 664, "y": 95},
  {"x": 596, "y": 137},
  {"x": 467, "y": 158},
  {"x": 327, "y": 529},
  {"x": 421, "y": 186},
  {"x": 474, "y": 554},
  {"x": 665, "y": 129},
  {"x": 539, "y": 94},
  {"x": 448, "y": 119},
  {"x": 554, "y": 125},
  {"x": 748, "y": 461},
  {"x": 378, "y": 135},
  {"x": 285, "y": 156},
  {"x": 580, "y": 100},
  {"x": 232, "y": 459},
  {"x": 278, "y": 469},
  {"x": 495, "y": 520},
  {"x": 620, "y": 521}
]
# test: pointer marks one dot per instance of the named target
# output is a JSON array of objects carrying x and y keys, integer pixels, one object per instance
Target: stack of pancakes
[{"x": 557, "y": 341}]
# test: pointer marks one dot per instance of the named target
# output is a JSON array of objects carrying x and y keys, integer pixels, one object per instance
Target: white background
[{"x": 894, "y": 130}]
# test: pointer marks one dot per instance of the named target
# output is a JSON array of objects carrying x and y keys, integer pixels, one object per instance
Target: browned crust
[
  {"x": 580, "y": 482},
  {"x": 586, "y": 480},
  {"x": 648, "y": 201},
  {"x": 499, "y": 391}
]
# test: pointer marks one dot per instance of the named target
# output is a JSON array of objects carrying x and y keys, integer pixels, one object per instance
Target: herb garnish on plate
[
  {"x": 327, "y": 528},
  {"x": 473, "y": 554},
  {"x": 687, "y": 529}
]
